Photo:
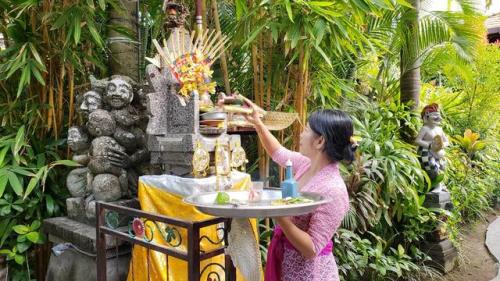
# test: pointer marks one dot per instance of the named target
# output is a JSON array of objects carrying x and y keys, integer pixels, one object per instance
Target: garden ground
[{"x": 475, "y": 263}]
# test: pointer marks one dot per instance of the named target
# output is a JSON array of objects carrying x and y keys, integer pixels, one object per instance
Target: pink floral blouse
[{"x": 321, "y": 225}]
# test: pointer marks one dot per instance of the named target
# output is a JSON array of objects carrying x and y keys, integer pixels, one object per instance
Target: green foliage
[
  {"x": 26, "y": 167},
  {"x": 365, "y": 259},
  {"x": 386, "y": 190},
  {"x": 37, "y": 31},
  {"x": 469, "y": 95}
]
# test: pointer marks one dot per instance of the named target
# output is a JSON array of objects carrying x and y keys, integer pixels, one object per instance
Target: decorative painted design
[
  {"x": 213, "y": 275},
  {"x": 138, "y": 227},
  {"x": 111, "y": 219},
  {"x": 220, "y": 233}
]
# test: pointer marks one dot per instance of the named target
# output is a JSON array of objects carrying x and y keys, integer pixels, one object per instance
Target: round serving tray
[{"x": 241, "y": 208}]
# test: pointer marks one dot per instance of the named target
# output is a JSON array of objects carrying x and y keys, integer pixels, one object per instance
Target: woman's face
[{"x": 310, "y": 143}]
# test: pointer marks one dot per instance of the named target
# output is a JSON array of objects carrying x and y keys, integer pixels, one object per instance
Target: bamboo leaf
[
  {"x": 3, "y": 184},
  {"x": 327, "y": 59},
  {"x": 34, "y": 181},
  {"x": 38, "y": 75},
  {"x": 95, "y": 35},
  {"x": 321, "y": 3},
  {"x": 69, "y": 163},
  {"x": 15, "y": 183},
  {"x": 253, "y": 35},
  {"x": 102, "y": 5},
  {"x": 77, "y": 28},
  {"x": 288, "y": 8},
  {"x": 25, "y": 78},
  {"x": 19, "y": 141},
  {"x": 3, "y": 152},
  {"x": 35, "y": 53}
]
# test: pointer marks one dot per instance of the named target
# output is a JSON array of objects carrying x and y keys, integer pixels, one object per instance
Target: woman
[{"x": 301, "y": 248}]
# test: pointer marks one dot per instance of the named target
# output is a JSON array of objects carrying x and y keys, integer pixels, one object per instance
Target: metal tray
[
  {"x": 214, "y": 115},
  {"x": 205, "y": 202}
]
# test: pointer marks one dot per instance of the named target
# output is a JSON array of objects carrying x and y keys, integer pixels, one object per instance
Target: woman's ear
[{"x": 319, "y": 143}]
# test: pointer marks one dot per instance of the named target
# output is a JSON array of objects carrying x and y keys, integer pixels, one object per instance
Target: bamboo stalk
[
  {"x": 261, "y": 71},
  {"x": 50, "y": 110},
  {"x": 71, "y": 81},
  {"x": 299, "y": 99},
  {"x": 286, "y": 96},
  {"x": 269, "y": 70},
  {"x": 60, "y": 96}
]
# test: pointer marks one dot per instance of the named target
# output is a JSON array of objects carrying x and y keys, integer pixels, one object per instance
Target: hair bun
[{"x": 349, "y": 152}]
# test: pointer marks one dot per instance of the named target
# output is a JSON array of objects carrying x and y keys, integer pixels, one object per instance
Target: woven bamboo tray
[{"x": 276, "y": 121}]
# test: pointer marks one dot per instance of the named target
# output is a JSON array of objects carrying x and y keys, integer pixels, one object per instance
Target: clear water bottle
[{"x": 289, "y": 187}]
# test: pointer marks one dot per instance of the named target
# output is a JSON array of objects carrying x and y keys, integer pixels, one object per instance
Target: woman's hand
[
  {"x": 254, "y": 117},
  {"x": 300, "y": 239},
  {"x": 283, "y": 222}
]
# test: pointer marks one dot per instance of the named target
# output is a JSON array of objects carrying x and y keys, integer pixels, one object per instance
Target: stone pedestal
[
  {"x": 74, "y": 253},
  {"x": 79, "y": 212},
  {"x": 439, "y": 247}
]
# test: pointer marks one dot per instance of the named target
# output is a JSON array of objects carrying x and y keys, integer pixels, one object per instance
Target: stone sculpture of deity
[
  {"x": 111, "y": 147},
  {"x": 431, "y": 142}
]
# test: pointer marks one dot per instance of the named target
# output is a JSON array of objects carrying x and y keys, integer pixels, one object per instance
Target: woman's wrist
[{"x": 258, "y": 124}]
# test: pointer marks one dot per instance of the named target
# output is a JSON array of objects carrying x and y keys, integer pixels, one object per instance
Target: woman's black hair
[{"x": 336, "y": 128}]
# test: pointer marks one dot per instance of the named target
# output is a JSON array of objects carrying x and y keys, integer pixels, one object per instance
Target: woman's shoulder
[{"x": 331, "y": 184}]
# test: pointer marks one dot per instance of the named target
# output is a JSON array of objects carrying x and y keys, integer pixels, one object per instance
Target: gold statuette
[
  {"x": 201, "y": 159},
  {"x": 238, "y": 157}
]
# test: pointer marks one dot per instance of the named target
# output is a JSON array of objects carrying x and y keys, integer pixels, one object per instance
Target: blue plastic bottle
[{"x": 289, "y": 187}]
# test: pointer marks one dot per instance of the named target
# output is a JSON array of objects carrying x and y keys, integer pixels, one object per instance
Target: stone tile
[
  {"x": 493, "y": 239},
  {"x": 493, "y": 243}
]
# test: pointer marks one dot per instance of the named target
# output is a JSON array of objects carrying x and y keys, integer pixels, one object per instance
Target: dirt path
[{"x": 476, "y": 264}]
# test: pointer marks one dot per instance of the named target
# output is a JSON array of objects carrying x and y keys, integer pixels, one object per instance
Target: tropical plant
[
  {"x": 26, "y": 168},
  {"x": 470, "y": 143},
  {"x": 50, "y": 47},
  {"x": 420, "y": 31}
]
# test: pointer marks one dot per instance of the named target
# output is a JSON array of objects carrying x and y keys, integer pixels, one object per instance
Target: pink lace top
[{"x": 321, "y": 225}]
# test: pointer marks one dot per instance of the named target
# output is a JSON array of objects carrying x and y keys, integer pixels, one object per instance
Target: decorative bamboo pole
[{"x": 199, "y": 18}]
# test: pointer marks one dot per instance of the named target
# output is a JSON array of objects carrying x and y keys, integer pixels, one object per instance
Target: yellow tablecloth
[{"x": 163, "y": 195}]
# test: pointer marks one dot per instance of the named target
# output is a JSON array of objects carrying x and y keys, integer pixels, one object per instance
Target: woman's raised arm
[{"x": 270, "y": 143}]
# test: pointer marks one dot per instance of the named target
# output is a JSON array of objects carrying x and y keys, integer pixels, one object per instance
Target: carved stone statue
[
  {"x": 111, "y": 146},
  {"x": 92, "y": 100},
  {"x": 431, "y": 142}
]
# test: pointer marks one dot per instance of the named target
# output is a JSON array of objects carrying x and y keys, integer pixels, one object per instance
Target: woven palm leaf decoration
[{"x": 189, "y": 59}]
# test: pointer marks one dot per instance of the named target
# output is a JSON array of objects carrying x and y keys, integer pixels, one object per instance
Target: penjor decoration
[{"x": 190, "y": 61}]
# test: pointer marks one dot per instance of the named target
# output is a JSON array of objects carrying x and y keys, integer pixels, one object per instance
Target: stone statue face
[
  {"x": 175, "y": 15},
  {"x": 433, "y": 118},
  {"x": 118, "y": 93},
  {"x": 77, "y": 139},
  {"x": 101, "y": 123},
  {"x": 91, "y": 101}
]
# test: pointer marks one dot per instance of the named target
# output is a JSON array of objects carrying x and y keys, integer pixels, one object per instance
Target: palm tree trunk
[
  {"x": 410, "y": 70},
  {"x": 124, "y": 55}
]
